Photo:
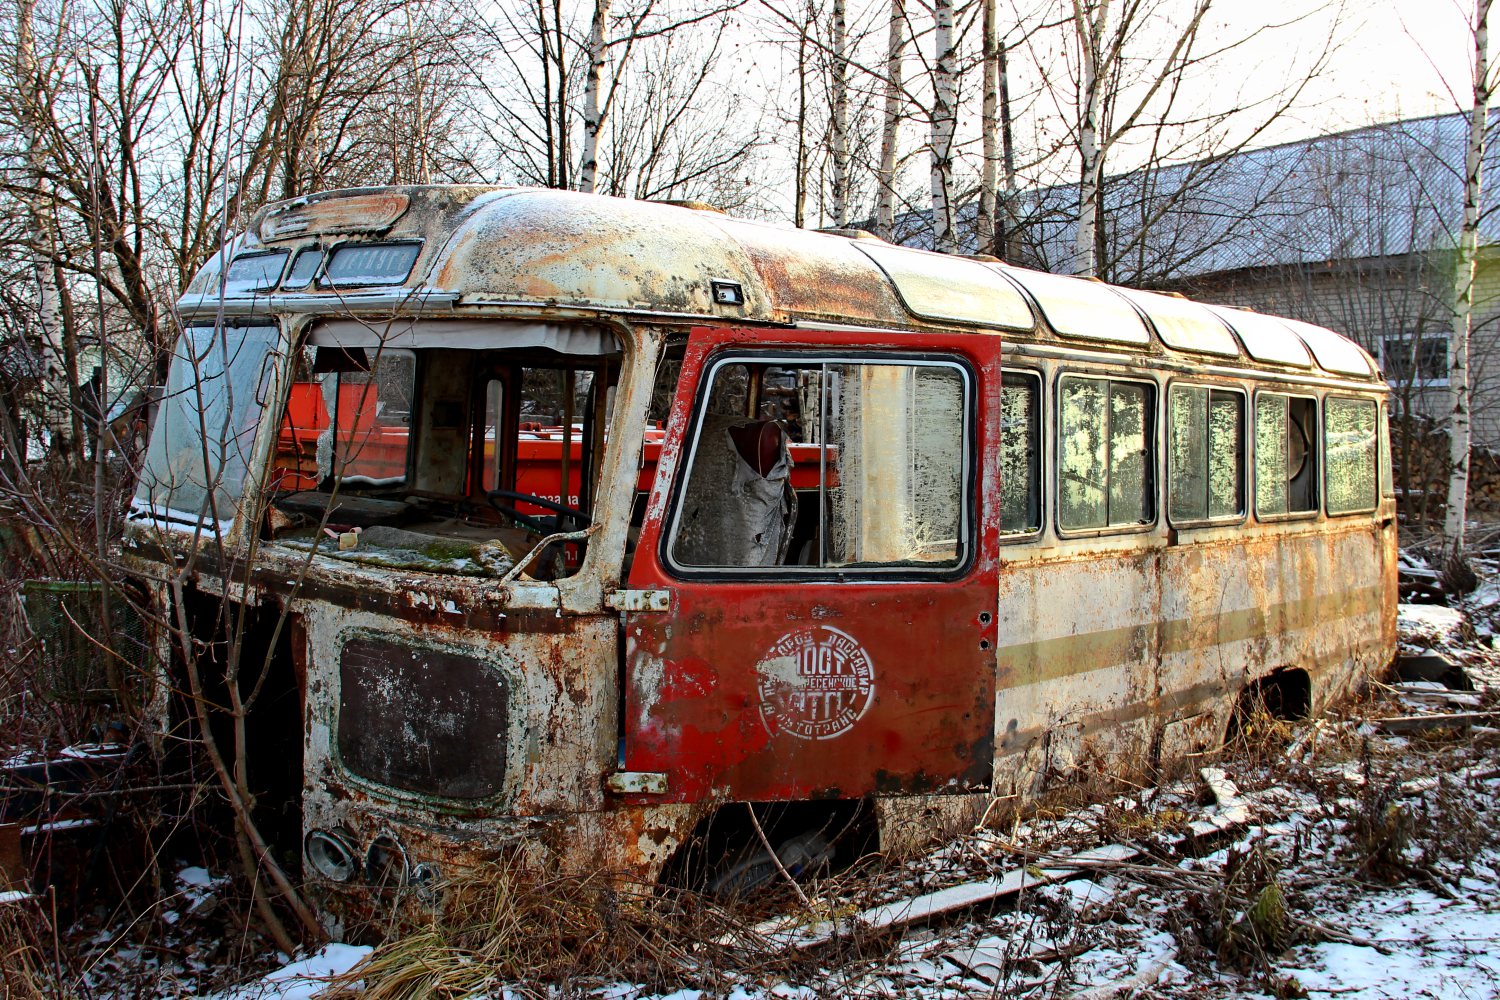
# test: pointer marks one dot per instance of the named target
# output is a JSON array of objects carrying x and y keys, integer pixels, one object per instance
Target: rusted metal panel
[
  {"x": 374, "y": 212},
  {"x": 637, "y": 783},
  {"x": 422, "y": 720},
  {"x": 717, "y": 695},
  {"x": 639, "y": 600}
]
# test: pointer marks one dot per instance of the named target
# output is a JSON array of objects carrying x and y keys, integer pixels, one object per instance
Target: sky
[{"x": 1394, "y": 59}]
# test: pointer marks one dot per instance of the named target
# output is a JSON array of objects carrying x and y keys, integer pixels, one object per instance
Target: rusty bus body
[{"x": 823, "y": 520}]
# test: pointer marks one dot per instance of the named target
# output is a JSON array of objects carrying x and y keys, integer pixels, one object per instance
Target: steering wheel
[{"x": 528, "y": 521}]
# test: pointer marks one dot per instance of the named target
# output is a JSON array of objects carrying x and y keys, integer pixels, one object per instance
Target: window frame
[
  {"x": 969, "y": 534},
  {"x": 1245, "y": 454},
  {"x": 1374, "y": 458},
  {"x": 1153, "y": 462},
  {"x": 1315, "y": 449},
  {"x": 1040, "y": 380}
]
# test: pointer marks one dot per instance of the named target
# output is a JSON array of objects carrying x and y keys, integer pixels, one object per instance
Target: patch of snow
[
  {"x": 301, "y": 980},
  {"x": 1428, "y": 620}
]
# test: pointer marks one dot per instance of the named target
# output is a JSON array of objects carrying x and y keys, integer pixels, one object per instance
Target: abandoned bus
[{"x": 580, "y": 530}]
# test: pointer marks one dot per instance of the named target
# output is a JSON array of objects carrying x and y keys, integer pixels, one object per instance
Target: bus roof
[{"x": 456, "y": 246}]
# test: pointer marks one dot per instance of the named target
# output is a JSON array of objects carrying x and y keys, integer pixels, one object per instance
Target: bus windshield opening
[{"x": 454, "y": 448}]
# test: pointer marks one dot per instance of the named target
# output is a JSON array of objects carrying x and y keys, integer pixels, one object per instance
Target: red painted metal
[{"x": 924, "y": 649}]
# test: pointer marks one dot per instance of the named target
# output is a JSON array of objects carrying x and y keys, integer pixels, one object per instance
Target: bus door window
[
  {"x": 827, "y": 465},
  {"x": 1105, "y": 453},
  {"x": 1349, "y": 447},
  {"x": 1286, "y": 455},
  {"x": 1205, "y": 453},
  {"x": 1020, "y": 454}
]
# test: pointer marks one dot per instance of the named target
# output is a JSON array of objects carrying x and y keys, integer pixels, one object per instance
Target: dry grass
[
  {"x": 26, "y": 970},
  {"x": 499, "y": 924}
]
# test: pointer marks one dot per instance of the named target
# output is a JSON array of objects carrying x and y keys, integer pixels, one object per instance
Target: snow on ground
[{"x": 302, "y": 979}]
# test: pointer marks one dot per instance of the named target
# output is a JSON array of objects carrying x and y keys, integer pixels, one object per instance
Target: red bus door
[{"x": 817, "y": 529}]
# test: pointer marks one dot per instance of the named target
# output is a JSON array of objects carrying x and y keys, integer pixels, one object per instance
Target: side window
[
  {"x": 1349, "y": 446},
  {"x": 1020, "y": 454},
  {"x": 827, "y": 465},
  {"x": 1205, "y": 453},
  {"x": 1104, "y": 453},
  {"x": 1286, "y": 460}
]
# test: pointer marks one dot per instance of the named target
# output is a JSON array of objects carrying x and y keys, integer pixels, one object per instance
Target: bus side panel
[{"x": 1077, "y": 659}]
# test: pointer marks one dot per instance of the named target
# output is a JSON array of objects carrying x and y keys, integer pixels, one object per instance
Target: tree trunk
[
  {"x": 1463, "y": 299},
  {"x": 1009, "y": 242},
  {"x": 885, "y": 180},
  {"x": 54, "y": 391},
  {"x": 799, "y": 208},
  {"x": 944, "y": 124},
  {"x": 990, "y": 126},
  {"x": 593, "y": 115},
  {"x": 839, "y": 127},
  {"x": 1088, "y": 25}
]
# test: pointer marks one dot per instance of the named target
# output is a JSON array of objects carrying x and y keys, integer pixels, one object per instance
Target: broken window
[
  {"x": 200, "y": 450},
  {"x": 446, "y": 446},
  {"x": 827, "y": 465},
  {"x": 1020, "y": 454},
  {"x": 1349, "y": 444},
  {"x": 1285, "y": 460},
  {"x": 1205, "y": 453},
  {"x": 368, "y": 438},
  {"x": 1104, "y": 453}
]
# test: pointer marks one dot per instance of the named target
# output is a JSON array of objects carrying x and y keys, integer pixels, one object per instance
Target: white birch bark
[
  {"x": 1009, "y": 247},
  {"x": 55, "y": 393},
  {"x": 839, "y": 127},
  {"x": 944, "y": 124},
  {"x": 1089, "y": 24},
  {"x": 885, "y": 180},
  {"x": 1463, "y": 299},
  {"x": 990, "y": 126},
  {"x": 593, "y": 114}
]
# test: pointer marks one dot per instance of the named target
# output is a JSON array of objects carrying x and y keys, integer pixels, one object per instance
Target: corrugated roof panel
[
  {"x": 1078, "y": 308},
  {"x": 1184, "y": 324},
  {"x": 1266, "y": 338},
  {"x": 940, "y": 287}
]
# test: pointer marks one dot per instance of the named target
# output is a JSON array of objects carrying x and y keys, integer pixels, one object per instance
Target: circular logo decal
[{"x": 815, "y": 683}]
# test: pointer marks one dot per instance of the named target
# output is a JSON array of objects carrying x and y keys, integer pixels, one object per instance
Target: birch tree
[
  {"x": 1463, "y": 298},
  {"x": 54, "y": 386},
  {"x": 885, "y": 175},
  {"x": 944, "y": 125},
  {"x": 1090, "y": 23},
  {"x": 990, "y": 127},
  {"x": 839, "y": 121},
  {"x": 593, "y": 116}
]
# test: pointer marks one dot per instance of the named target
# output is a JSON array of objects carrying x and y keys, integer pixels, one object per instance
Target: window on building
[
  {"x": 1105, "y": 460},
  {"x": 1020, "y": 454},
  {"x": 1349, "y": 444},
  {"x": 830, "y": 465},
  {"x": 1415, "y": 358},
  {"x": 1286, "y": 457},
  {"x": 1205, "y": 453}
]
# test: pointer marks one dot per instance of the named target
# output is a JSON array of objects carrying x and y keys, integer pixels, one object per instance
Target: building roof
[{"x": 1384, "y": 190}]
